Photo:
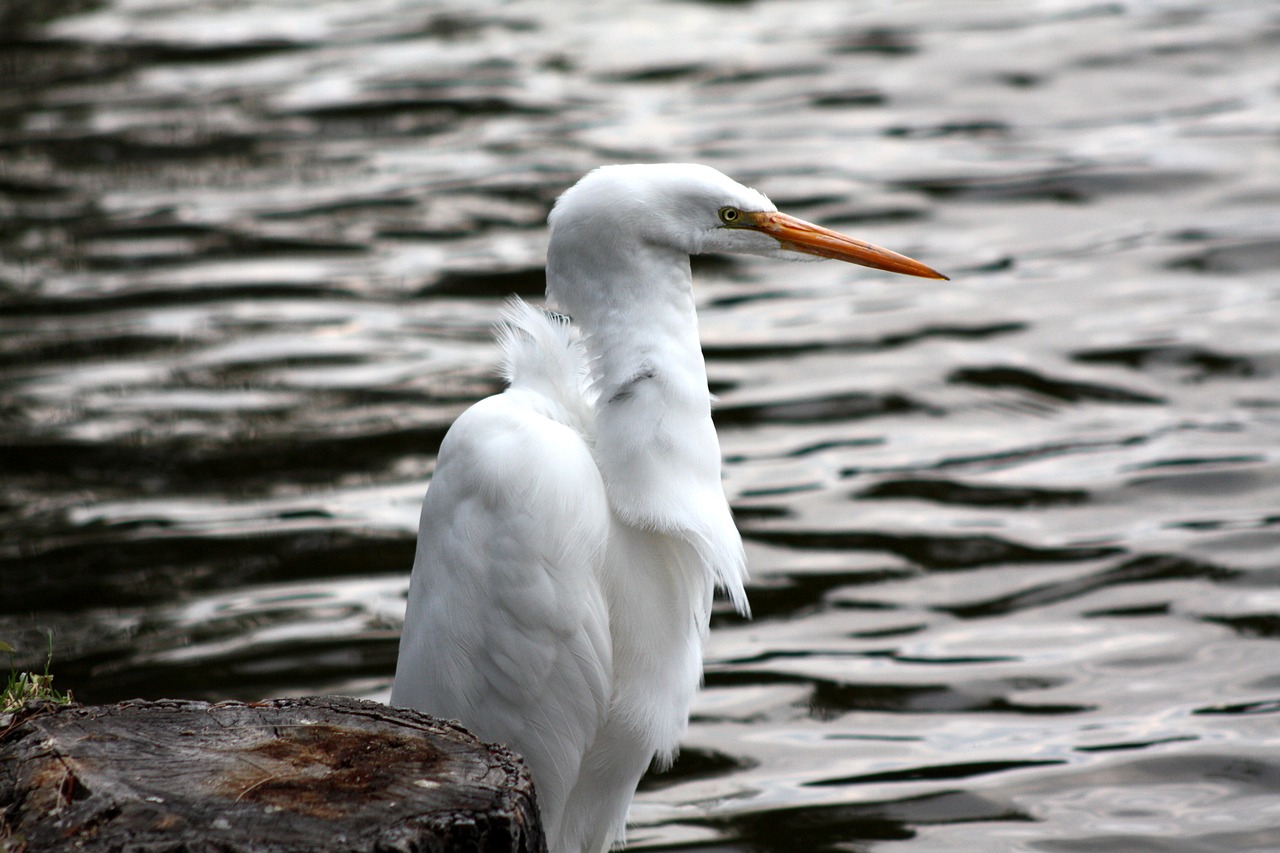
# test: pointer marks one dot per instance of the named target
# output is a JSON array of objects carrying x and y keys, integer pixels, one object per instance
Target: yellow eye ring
[{"x": 730, "y": 215}]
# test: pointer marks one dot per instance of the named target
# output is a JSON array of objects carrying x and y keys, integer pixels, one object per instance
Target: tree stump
[{"x": 317, "y": 774}]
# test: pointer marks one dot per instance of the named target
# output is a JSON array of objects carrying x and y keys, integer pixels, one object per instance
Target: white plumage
[{"x": 575, "y": 526}]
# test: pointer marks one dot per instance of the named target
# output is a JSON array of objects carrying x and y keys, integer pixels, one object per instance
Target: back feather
[{"x": 541, "y": 353}]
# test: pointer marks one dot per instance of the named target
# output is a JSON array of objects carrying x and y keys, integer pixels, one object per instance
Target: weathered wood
[{"x": 327, "y": 773}]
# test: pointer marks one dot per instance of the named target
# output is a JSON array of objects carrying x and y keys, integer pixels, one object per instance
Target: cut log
[{"x": 326, "y": 773}]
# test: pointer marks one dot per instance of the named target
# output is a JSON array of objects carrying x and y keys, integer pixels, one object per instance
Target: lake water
[{"x": 1014, "y": 539}]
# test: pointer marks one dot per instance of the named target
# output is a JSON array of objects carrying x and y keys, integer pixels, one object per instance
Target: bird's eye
[{"x": 730, "y": 215}]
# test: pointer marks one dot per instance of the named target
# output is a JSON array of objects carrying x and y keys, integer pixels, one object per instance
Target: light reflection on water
[{"x": 1013, "y": 539}]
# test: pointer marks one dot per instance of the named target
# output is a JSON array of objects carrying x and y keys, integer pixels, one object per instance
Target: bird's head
[{"x": 697, "y": 210}]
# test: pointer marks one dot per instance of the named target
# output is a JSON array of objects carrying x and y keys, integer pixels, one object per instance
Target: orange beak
[{"x": 796, "y": 235}]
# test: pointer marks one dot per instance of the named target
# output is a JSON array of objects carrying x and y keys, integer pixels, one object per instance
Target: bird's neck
[
  {"x": 636, "y": 313},
  {"x": 653, "y": 437}
]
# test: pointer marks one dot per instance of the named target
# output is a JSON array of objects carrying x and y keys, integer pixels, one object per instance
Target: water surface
[{"x": 1014, "y": 540}]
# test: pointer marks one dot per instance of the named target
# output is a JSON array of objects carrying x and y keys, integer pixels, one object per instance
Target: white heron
[{"x": 576, "y": 525}]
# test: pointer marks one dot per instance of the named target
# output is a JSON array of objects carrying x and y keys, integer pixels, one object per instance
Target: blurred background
[{"x": 1014, "y": 539}]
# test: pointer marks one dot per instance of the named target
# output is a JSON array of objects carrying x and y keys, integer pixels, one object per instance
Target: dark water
[{"x": 1015, "y": 540}]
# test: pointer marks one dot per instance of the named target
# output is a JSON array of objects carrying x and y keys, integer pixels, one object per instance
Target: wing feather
[{"x": 507, "y": 623}]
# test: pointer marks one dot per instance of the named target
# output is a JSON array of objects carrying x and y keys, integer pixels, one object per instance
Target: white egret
[{"x": 576, "y": 524}]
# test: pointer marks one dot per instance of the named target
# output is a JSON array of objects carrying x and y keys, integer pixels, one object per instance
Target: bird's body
[{"x": 576, "y": 526}]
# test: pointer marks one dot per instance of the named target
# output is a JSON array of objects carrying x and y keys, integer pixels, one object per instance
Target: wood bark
[{"x": 316, "y": 774}]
